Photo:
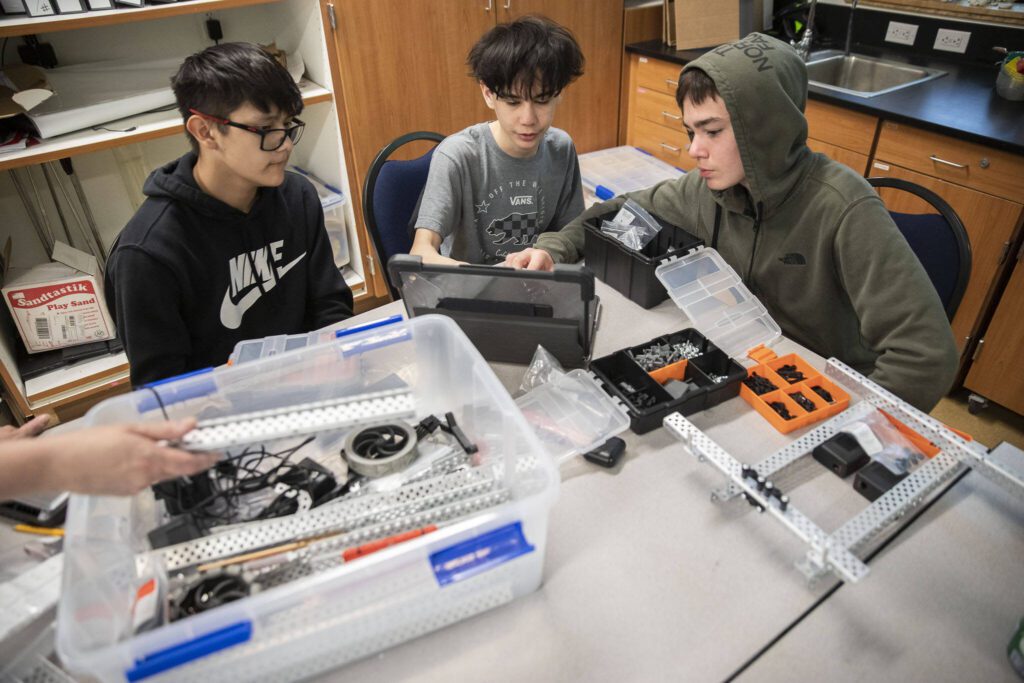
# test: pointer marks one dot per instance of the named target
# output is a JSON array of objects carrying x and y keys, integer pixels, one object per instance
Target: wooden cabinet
[
  {"x": 997, "y": 369},
  {"x": 990, "y": 218},
  {"x": 655, "y": 123},
  {"x": 842, "y": 135},
  {"x": 417, "y": 79}
]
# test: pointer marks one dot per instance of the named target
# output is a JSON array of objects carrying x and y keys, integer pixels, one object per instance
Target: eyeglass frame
[{"x": 300, "y": 125}]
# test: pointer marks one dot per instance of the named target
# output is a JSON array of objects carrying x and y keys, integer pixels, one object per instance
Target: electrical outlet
[
  {"x": 901, "y": 33},
  {"x": 952, "y": 41}
]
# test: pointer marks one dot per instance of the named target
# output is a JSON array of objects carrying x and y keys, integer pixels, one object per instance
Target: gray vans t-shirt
[{"x": 488, "y": 204}]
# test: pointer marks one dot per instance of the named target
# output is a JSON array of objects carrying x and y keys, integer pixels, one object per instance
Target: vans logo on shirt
[
  {"x": 251, "y": 275},
  {"x": 521, "y": 199},
  {"x": 794, "y": 259}
]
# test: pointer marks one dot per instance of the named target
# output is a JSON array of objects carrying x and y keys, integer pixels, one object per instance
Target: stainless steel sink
[{"x": 863, "y": 76}]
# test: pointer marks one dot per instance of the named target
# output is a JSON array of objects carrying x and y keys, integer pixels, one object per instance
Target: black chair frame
[{"x": 370, "y": 185}]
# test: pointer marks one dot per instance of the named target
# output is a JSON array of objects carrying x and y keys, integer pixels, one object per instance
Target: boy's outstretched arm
[{"x": 426, "y": 244}]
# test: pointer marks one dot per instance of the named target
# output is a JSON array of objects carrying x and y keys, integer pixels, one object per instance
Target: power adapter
[{"x": 214, "y": 30}]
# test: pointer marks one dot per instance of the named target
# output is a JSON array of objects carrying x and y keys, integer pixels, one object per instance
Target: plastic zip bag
[
  {"x": 885, "y": 444},
  {"x": 632, "y": 225}
]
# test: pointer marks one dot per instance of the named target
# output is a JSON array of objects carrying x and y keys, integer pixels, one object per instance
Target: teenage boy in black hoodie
[{"x": 227, "y": 245}]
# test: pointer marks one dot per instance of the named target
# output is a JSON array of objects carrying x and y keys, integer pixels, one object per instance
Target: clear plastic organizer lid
[{"x": 716, "y": 301}]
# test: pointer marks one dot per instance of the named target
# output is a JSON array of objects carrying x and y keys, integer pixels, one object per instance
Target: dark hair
[
  {"x": 222, "y": 78},
  {"x": 695, "y": 85},
  {"x": 513, "y": 59}
]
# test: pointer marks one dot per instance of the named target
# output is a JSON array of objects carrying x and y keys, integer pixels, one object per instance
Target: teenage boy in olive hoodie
[{"x": 810, "y": 237}]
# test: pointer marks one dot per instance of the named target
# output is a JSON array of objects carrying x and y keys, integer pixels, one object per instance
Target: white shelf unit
[{"x": 111, "y": 164}]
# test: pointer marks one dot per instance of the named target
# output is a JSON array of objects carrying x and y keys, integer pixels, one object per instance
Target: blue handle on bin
[
  {"x": 183, "y": 653},
  {"x": 346, "y": 331},
  {"x": 171, "y": 394}
]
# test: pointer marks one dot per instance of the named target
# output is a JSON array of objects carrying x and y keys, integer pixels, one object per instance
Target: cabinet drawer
[
  {"x": 659, "y": 108},
  {"x": 964, "y": 163},
  {"x": 657, "y": 75},
  {"x": 666, "y": 144},
  {"x": 841, "y": 127},
  {"x": 858, "y": 162}
]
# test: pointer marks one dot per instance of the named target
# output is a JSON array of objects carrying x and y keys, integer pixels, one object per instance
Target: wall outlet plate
[
  {"x": 952, "y": 41},
  {"x": 901, "y": 33}
]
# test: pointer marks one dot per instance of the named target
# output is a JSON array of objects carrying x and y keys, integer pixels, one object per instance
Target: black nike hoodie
[{"x": 189, "y": 276}]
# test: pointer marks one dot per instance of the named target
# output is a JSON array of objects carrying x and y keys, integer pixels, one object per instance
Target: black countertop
[{"x": 963, "y": 103}]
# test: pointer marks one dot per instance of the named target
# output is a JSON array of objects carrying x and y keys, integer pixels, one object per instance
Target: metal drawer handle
[
  {"x": 947, "y": 163},
  {"x": 674, "y": 84},
  {"x": 490, "y": 4},
  {"x": 671, "y": 116},
  {"x": 508, "y": 4},
  {"x": 670, "y": 147}
]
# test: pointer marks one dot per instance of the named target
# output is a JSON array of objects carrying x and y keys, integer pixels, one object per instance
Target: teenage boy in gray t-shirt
[{"x": 494, "y": 187}]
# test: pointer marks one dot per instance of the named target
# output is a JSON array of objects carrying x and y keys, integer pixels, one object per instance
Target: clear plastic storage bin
[
  {"x": 489, "y": 551},
  {"x": 333, "y": 202},
  {"x": 611, "y": 172}
]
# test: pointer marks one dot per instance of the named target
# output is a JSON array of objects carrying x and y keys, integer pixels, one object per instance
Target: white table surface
[{"x": 646, "y": 579}]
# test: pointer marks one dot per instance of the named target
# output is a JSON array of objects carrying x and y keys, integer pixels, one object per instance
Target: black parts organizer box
[
  {"x": 506, "y": 312},
  {"x": 619, "y": 373},
  {"x": 629, "y": 271}
]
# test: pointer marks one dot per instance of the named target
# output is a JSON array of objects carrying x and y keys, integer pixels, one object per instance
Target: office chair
[
  {"x": 938, "y": 239},
  {"x": 390, "y": 194}
]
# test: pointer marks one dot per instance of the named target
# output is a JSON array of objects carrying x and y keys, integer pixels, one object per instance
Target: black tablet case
[{"x": 506, "y": 312}]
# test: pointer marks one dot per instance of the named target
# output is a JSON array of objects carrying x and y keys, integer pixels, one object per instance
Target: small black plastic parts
[
  {"x": 824, "y": 393},
  {"x": 180, "y": 529},
  {"x": 790, "y": 374},
  {"x": 802, "y": 401},
  {"x": 783, "y": 502},
  {"x": 875, "y": 479},
  {"x": 453, "y": 428},
  {"x": 780, "y": 408},
  {"x": 758, "y": 384},
  {"x": 607, "y": 454},
  {"x": 760, "y": 483},
  {"x": 841, "y": 454}
]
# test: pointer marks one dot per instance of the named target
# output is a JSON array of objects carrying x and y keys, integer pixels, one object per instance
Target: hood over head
[{"x": 763, "y": 83}]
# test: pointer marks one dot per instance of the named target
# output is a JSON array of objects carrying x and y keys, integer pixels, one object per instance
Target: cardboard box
[
  {"x": 58, "y": 304},
  {"x": 706, "y": 24}
]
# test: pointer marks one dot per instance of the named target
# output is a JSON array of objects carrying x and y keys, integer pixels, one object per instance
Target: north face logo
[{"x": 794, "y": 259}]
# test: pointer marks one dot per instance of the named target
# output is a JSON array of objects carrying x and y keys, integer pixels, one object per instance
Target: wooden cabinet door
[
  {"x": 990, "y": 223},
  {"x": 589, "y": 110},
  {"x": 402, "y": 68},
  {"x": 998, "y": 369},
  {"x": 855, "y": 160}
]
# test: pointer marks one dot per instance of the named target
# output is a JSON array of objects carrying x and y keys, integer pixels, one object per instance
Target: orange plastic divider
[{"x": 675, "y": 370}]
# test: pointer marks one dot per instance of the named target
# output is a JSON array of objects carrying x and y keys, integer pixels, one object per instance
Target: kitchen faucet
[
  {"x": 849, "y": 26},
  {"x": 803, "y": 48}
]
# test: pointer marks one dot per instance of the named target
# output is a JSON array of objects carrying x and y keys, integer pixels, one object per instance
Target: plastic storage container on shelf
[
  {"x": 477, "y": 559},
  {"x": 333, "y": 202},
  {"x": 714, "y": 298},
  {"x": 611, "y": 172},
  {"x": 629, "y": 271}
]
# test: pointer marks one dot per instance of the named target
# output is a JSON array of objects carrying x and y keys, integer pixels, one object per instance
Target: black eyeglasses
[{"x": 270, "y": 138}]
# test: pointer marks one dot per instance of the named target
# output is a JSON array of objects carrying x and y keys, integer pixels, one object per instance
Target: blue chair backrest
[
  {"x": 938, "y": 239},
  {"x": 395, "y": 197},
  {"x": 936, "y": 248}
]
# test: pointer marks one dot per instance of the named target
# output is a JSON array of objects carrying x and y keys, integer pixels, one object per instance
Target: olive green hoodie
[{"x": 810, "y": 238}]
